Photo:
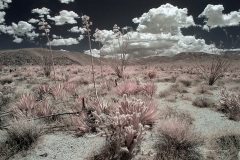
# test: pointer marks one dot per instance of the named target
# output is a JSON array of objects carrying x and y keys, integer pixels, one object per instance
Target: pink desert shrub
[
  {"x": 25, "y": 105},
  {"x": 149, "y": 89},
  {"x": 177, "y": 140},
  {"x": 128, "y": 87},
  {"x": 127, "y": 124},
  {"x": 152, "y": 74},
  {"x": 44, "y": 108},
  {"x": 58, "y": 91},
  {"x": 230, "y": 104}
]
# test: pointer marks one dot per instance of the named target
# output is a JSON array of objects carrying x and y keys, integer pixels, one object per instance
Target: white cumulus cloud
[
  {"x": 145, "y": 44},
  {"x": 66, "y": 1},
  {"x": 32, "y": 20},
  {"x": 158, "y": 33},
  {"x": 2, "y": 28},
  {"x": 4, "y": 4},
  {"x": 64, "y": 17},
  {"x": 32, "y": 35},
  {"x": 104, "y": 36},
  {"x": 22, "y": 28},
  {"x": 64, "y": 42},
  {"x": 2, "y": 14},
  {"x": 80, "y": 37},
  {"x": 19, "y": 29},
  {"x": 41, "y": 11},
  {"x": 95, "y": 53},
  {"x": 164, "y": 19},
  {"x": 77, "y": 29},
  {"x": 17, "y": 39},
  {"x": 215, "y": 18}
]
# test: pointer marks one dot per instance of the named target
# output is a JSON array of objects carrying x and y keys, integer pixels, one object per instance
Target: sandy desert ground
[{"x": 155, "y": 111}]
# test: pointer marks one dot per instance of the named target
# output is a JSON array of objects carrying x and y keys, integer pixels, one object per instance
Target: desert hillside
[{"x": 33, "y": 56}]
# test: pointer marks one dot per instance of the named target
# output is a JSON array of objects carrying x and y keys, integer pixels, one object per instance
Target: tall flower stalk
[
  {"x": 86, "y": 24},
  {"x": 46, "y": 28},
  {"x": 97, "y": 36}
]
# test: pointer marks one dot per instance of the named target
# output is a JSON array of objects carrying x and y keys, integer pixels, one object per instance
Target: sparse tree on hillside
[
  {"x": 123, "y": 46},
  {"x": 218, "y": 65}
]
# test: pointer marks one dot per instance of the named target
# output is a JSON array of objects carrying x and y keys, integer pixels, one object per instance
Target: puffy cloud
[
  {"x": 17, "y": 39},
  {"x": 215, "y": 17},
  {"x": 66, "y": 1},
  {"x": 188, "y": 44},
  {"x": 158, "y": 33},
  {"x": 2, "y": 28},
  {"x": 64, "y": 17},
  {"x": 104, "y": 36},
  {"x": 42, "y": 11},
  {"x": 95, "y": 53},
  {"x": 80, "y": 37},
  {"x": 77, "y": 29},
  {"x": 63, "y": 50},
  {"x": 164, "y": 19},
  {"x": 145, "y": 44},
  {"x": 2, "y": 14},
  {"x": 22, "y": 28},
  {"x": 19, "y": 29},
  {"x": 64, "y": 42},
  {"x": 32, "y": 20},
  {"x": 4, "y": 4},
  {"x": 32, "y": 35},
  {"x": 56, "y": 37}
]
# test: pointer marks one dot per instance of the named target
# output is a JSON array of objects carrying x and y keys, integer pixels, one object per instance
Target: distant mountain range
[{"x": 33, "y": 56}]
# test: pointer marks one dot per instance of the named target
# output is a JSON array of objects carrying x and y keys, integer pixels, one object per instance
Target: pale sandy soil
[{"x": 63, "y": 145}]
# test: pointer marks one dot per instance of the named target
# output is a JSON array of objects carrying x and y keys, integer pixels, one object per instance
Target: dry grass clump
[
  {"x": 6, "y": 80},
  {"x": 203, "y": 89},
  {"x": 177, "y": 140},
  {"x": 179, "y": 88},
  {"x": 77, "y": 122},
  {"x": 47, "y": 65},
  {"x": 149, "y": 89},
  {"x": 44, "y": 109},
  {"x": 170, "y": 112},
  {"x": 4, "y": 100},
  {"x": 185, "y": 81},
  {"x": 223, "y": 146},
  {"x": 174, "y": 88},
  {"x": 58, "y": 91},
  {"x": 203, "y": 102},
  {"x": 165, "y": 93},
  {"x": 80, "y": 80},
  {"x": 171, "y": 79},
  {"x": 21, "y": 134},
  {"x": 230, "y": 104},
  {"x": 25, "y": 105}
]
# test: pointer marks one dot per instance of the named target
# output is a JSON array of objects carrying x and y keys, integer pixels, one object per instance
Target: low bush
[
  {"x": 230, "y": 104},
  {"x": 21, "y": 134},
  {"x": 186, "y": 82},
  {"x": 225, "y": 146},
  {"x": 177, "y": 140},
  {"x": 125, "y": 128},
  {"x": 127, "y": 87},
  {"x": 203, "y": 102}
]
